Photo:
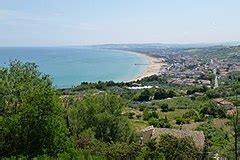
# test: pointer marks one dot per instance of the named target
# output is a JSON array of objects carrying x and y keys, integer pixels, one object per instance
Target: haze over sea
[{"x": 69, "y": 66}]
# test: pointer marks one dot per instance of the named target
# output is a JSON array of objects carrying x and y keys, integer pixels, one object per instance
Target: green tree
[
  {"x": 144, "y": 96},
  {"x": 216, "y": 139},
  {"x": 164, "y": 123},
  {"x": 164, "y": 107},
  {"x": 160, "y": 94},
  {"x": 177, "y": 148},
  {"x": 103, "y": 115},
  {"x": 32, "y": 118},
  {"x": 211, "y": 108},
  {"x": 149, "y": 114},
  {"x": 192, "y": 114}
]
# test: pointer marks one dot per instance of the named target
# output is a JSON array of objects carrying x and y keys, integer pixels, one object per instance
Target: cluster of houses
[
  {"x": 189, "y": 81},
  {"x": 187, "y": 70}
]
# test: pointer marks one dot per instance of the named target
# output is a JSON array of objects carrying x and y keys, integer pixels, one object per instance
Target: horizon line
[{"x": 132, "y": 43}]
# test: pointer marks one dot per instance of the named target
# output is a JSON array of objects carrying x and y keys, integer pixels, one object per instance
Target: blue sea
[{"x": 69, "y": 66}]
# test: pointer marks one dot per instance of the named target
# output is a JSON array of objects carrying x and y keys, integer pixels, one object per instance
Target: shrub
[
  {"x": 164, "y": 123},
  {"x": 164, "y": 107},
  {"x": 180, "y": 121},
  {"x": 138, "y": 116},
  {"x": 144, "y": 96},
  {"x": 160, "y": 123},
  {"x": 192, "y": 114},
  {"x": 213, "y": 109},
  {"x": 149, "y": 114},
  {"x": 154, "y": 122},
  {"x": 141, "y": 108}
]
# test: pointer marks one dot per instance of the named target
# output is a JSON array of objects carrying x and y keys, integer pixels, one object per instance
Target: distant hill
[
  {"x": 161, "y": 45},
  {"x": 228, "y": 50},
  {"x": 148, "y": 45},
  {"x": 221, "y": 52}
]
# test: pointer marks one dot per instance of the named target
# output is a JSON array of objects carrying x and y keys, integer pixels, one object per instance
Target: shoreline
[{"x": 153, "y": 68}]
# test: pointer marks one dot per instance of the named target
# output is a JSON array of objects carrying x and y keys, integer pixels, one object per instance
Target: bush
[
  {"x": 144, "y": 96},
  {"x": 165, "y": 108},
  {"x": 141, "y": 108},
  {"x": 192, "y": 114},
  {"x": 177, "y": 148},
  {"x": 114, "y": 150},
  {"x": 217, "y": 139},
  {"x": 213, "y": 93},
  {"x": 164, "y": 123},
  {"x": 180, "y": 121},
  {"x": 138, "y": 116},
  {"x": 162, "y": 94},
  {"x": 213, "y": 109},
  {"x": 145, "y": 115},
  {"x": 149, "y": 114},
  {"x": 160, "y": 123},
  {"x": 130, "y": 115},
  {"x": 154, "y": 122}
]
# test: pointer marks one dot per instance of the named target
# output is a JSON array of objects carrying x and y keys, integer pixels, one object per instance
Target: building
[
  {"x": 154, "y": 133},
  {"x": 228, "y": 105}
]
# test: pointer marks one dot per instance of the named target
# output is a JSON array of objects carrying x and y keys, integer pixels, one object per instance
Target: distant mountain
[
  {"x": 157, "y": 45},
  {"x": 231, "y": 53}
]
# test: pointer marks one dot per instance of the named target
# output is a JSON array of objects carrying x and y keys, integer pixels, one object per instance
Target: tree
[
  {"x": 151, "y": 151},
  {"x": 103, "y": 115},
  {"x": 177, "y": 148},
  {"x": 118, "y": 150},
  {"x": 216, "y": 139},
  {"x": 171, "y": 94},
  {"x": 236, "y": 122},
  {"x": 213, "y": 93},
  {"x": 32, "y": 118},
  {"x": 160, "y": 123},
  {"x": 149, "y": 114},
  {"x": 160, "y": 94},
  {"x": 164, "y": 123},
  {"x": 236, "y": 129},
  {"x": 181, "y": 121},
  {"x": 164, "y": 107},
  {"x": 192, "y": 114},
  {"x": 144, "y": 96},
  {"x": 211, "y": 108}
]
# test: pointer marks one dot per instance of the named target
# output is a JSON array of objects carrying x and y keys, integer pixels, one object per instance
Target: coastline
[{"x": 153, "y": 68}]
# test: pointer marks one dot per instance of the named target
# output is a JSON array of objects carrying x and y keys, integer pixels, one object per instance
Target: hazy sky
[{"x": 78, "y": 22}]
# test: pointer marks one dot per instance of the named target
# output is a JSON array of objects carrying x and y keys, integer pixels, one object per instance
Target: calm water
[{"x": 71, "y": 66}]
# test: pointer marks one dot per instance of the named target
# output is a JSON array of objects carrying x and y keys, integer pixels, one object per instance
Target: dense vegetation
[{"x": 102, "y": 120}]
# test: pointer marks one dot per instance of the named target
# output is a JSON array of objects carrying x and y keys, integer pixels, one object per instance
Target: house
[
  {"x": 154, "y": 133},
  {"x": 205, "y": 82},
  {"x": 228, "y": 105},
  {"x": 231, "y": 109}
]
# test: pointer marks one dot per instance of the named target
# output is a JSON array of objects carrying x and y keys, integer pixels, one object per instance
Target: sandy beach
[{"x": 154, "y": 66}]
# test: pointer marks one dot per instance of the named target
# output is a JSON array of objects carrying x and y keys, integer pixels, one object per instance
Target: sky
[{"x": 85, "y": 22}]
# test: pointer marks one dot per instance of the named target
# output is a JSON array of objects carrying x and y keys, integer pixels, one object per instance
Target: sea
[{"x": 70, "y": 66}]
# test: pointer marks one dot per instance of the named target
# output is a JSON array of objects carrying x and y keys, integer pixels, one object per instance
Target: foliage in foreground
[
  {"x": 36, "y": 124},
  {"x": 102, "y": 116},
  {"x": 32, "y": 120}
]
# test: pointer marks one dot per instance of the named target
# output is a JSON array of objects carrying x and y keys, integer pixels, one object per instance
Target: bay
[{"x": 69, "y": 66}]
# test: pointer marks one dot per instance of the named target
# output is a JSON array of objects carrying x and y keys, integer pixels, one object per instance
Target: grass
[
  {"x": 192, "y": 126},
  {"x": 138, "y": 125},
  {"x": 179, "y": 102},
  {"x": 225, "y": 124},
  {"x": 173, "y": 114}
]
